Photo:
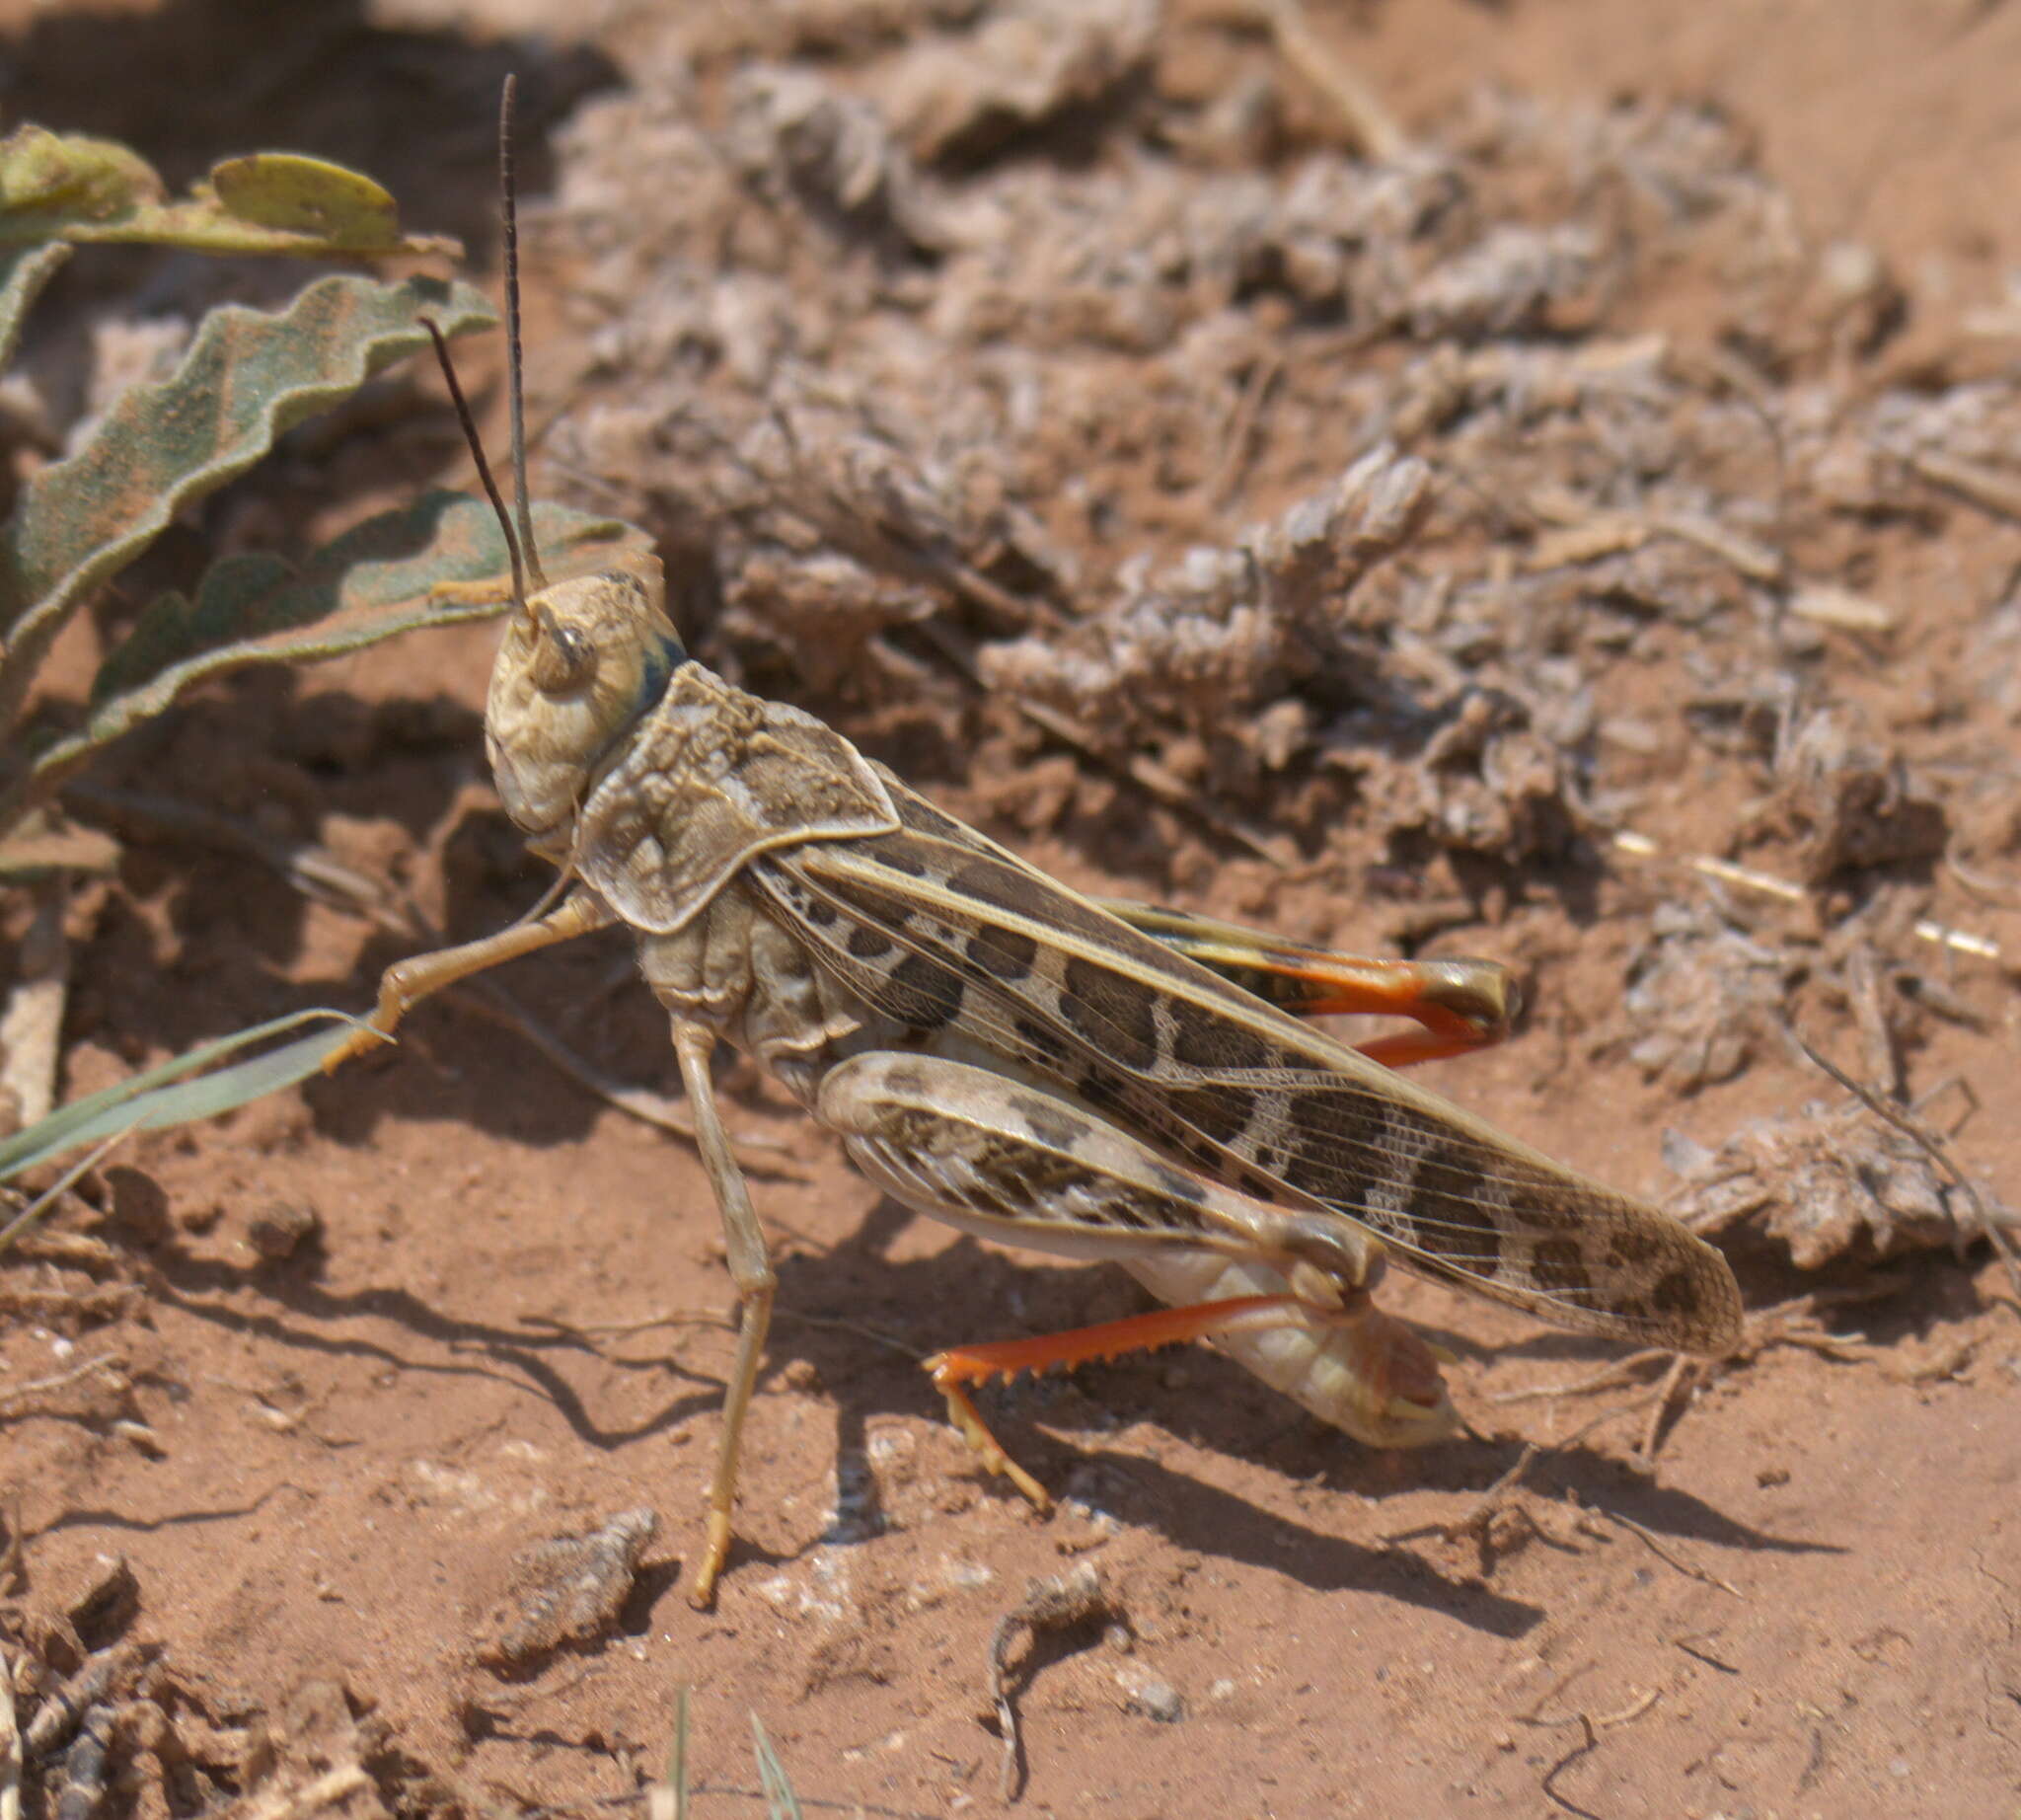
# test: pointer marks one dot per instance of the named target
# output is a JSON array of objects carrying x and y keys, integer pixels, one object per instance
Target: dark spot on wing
[
  {"x": 1541, "y": 1208},
  {"x": 1112, "y": 1012},
  {"x": 1201, "y": 1040},
  {"x": 1003, "y": 953},
  {"x": 920, "y": 993},
  {"x": 1049, "y": 1122},
  {"x": 1099, "y": 1088},
  {"x": 1445, "y": 1219},
  {"x": 1448, "y": 1174},
  {"x": 1217, "y": 1114},
  {"x": 1339, "y": 1133},
  {"x": 1559, "y": 1265},
  {"x": 868, "y": 944},
  {"x": 1123, "y": 1208},
  {"x": 1629, "y": 1245},
  {"x": 1259, "y": 1183},
  {"x": 1676, "y": 1293},
  {"x": 1040, "y": 1044},
  {"x": 991, "y": 882}
]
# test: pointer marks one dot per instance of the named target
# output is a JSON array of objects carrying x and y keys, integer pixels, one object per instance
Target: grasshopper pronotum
[{"x": 996, "y": 1050}]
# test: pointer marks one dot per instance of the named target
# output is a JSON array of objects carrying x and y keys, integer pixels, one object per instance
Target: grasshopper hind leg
[
  {"x": 1282, "y": 1291},
  {"x": 1459, "y": 1003},
  {"x": 1370, "y": 1362}
]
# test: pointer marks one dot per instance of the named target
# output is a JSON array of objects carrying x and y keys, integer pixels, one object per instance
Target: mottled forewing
[
  {"x": 711, "y": 778},
  {"x": 942, "y": 931}
]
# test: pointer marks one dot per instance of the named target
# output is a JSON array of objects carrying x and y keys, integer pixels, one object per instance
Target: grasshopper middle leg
[{"x": 751, "y": 1272}]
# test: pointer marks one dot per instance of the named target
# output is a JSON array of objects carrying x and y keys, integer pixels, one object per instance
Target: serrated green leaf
[
  {"x": 66, "y": 186},
  {"x": 370, "y": 585},
  {"x": 22, "y": 273},
  {"x": 249, "y": 376},
  {"x": 235, "y": 593}
]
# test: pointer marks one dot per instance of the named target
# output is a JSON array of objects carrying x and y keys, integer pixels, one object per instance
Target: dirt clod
[
  {"x": 281, "y": 1228},
  {"x": 569, "y": 1589}
]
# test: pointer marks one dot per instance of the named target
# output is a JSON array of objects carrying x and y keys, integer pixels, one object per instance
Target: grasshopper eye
[{"x": 566, "y": 659}]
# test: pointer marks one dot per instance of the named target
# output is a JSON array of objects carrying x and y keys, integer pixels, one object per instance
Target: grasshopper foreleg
[{"x": 405, "y": 983}]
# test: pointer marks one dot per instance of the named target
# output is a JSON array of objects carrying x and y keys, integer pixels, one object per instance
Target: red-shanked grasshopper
[{"x": 1003, "y": 1053}]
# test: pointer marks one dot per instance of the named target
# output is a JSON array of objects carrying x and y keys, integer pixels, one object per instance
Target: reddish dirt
[{"x": 508, "y": 1321}]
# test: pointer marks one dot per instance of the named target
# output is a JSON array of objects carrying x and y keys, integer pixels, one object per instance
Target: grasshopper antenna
[
  {"x": 509, "y": 209},
  {"x": 477, "y": 449}
]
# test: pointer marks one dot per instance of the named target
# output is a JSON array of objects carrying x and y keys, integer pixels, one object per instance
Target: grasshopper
[{"x": 1095, "y": 1080}]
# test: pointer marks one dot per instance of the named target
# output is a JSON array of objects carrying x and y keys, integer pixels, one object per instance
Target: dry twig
[
  {"x": 10, "y": 1745},
  {"x": 18, "y": 1399},
  {"x": 32, "y": 1029},
  {"x": 1919, "y": 1134},
  {"x": 1686, "y": 1374},
  {"x": 303, "y": 1802},
  {"x": 1071, "y": 1598},
  {"x": 1361, "y": 110},
  {"x": 1669, "y": 1559},
  {"x": 1606, "y": 1379},
  {"x": 1746, "y": 877}
]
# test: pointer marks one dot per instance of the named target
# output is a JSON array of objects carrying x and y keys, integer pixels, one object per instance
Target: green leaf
[
  {"x": 51, "y": 183},
  {"x": 23, "y": 273},
  {"x": 370, "y": 585},
  {"x": 66, "y": 186},
  {"x": 163, "y": 1096},
  {"x": 291, "y": 195},
  {"x": 249, "y": 376}
]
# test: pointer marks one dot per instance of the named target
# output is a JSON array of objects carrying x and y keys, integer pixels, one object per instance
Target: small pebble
[
  {"x": 280, "y": 1229},
  {"x": 1154, "y": 1698}
]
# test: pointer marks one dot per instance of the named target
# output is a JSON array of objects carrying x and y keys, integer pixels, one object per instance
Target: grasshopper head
[{"x": 577, "y": 669}]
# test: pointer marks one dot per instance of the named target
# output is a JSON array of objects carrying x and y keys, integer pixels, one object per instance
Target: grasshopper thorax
[{"x": 577, "y": 668}]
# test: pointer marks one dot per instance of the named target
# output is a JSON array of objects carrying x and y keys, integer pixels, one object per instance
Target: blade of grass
[
  {"x": 163, "y": 1096},
  {"x": 677, "y": 1760},
  {"x": 56, "y": 1191},
  {"x": 780, "y": 1803}
]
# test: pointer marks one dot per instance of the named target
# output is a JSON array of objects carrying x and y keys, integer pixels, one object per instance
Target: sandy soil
[{"x": 371, "y": 1341}]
